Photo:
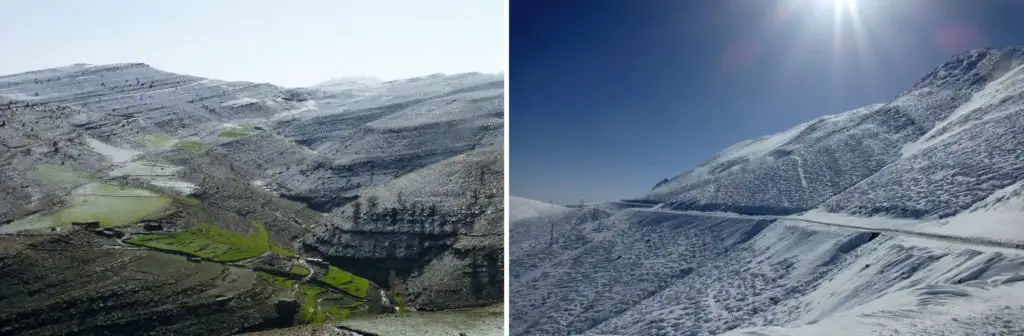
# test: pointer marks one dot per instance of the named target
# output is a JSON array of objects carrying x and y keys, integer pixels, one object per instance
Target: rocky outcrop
[{"x": 439, "y": 229}]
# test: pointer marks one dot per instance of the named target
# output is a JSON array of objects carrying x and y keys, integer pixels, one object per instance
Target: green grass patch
[
  {"x": 112, "y": 205},
  {"x": 60, "y": 175},
  {"x": 326, "y": 310},
  {"x": 188, "y": 200},
  {"x": 301, "y": 271},
  {"x": 159, "y": 141},
  {"x": 312, "y": 310},
  {"x": 207, "y": 241},
  {"x": 194, "y": 147},
  {"x": 237, "y": 132},
  {"x": 277, "y": 281},
  {"x": 282, "y": 250},
  {"x": 261, "y": 234},
  {"x": 336, "y": 311},
  {"x": 346, "y": 282},
  {"x": 210, "y": 242}
]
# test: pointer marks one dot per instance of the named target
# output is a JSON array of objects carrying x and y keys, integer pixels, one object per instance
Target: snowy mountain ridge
[
  {"x": 898, "y": 218},
  {"x": 828, "y": 161}
]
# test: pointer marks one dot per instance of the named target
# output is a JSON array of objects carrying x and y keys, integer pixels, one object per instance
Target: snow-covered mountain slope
[
  {"x": 658, "y": 272},
  {"x": 404, "y": 126},
  {"x": 794, "y": 170},
  {"x": 528, "y": 208},
  {"x": 915, "y": 156},
  {"x": 893, "y": 219},
  {"x": 961, "y": 160},
  {"x": 134, "y": 98},
  {"x": 128, "y": 143}
]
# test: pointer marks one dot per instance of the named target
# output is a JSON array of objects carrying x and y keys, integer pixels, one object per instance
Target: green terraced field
[
  {"x": 312, "y": 310},
  {"x": 301, "y": 271},
  {"x": 210, "y": 242},
  {"x": 346, "y": 282},
  {"x": 325, "y": 310}
]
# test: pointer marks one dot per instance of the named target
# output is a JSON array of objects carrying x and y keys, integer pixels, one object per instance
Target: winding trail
[
  {"x": 302, "y": 263},
  {"x": 947, "y": 238}
]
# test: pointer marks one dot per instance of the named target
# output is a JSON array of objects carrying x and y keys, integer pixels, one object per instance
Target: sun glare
[{"x": 843, "y": 20}]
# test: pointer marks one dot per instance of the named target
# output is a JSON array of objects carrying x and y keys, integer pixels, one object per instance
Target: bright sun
[{"x": 850, "y": 4}]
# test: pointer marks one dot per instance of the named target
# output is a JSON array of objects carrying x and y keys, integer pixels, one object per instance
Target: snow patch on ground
[
  {"x": 528, "y": 208},
  {"x": 997, "y": 217},
  {"x": 179, "y": 186},
  {"x": 160, "y": 175},
  {"x": 994, "y": 92},
  {"x": 462, "y": 106},
  {"x": 306, "y": 106},
  {"x": 927, "y": 310},
  {"x": 18, "y": 96},
  {"x": 239, "y": 102},
  {"x": 760, "y": 146},
  {"x": 115, "y": 154},
  {"x": 263, "y": 186}
]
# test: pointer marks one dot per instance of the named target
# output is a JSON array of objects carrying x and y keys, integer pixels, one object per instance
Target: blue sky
[
  {"x": 292, "y": 43},
  {"x": 608, "y": 97}
]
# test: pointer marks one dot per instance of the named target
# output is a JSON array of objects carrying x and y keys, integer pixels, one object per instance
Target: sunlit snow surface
[
  {"x": 949, "y": 141},
  {"x": 643, "y": 272},
  {"x": 528, "y": 208}
]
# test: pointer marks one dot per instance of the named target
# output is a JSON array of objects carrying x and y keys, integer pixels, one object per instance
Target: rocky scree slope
[{"x": 231, "y": 154}]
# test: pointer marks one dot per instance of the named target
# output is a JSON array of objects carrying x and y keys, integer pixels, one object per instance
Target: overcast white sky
[{"x": 290, "y": 43}]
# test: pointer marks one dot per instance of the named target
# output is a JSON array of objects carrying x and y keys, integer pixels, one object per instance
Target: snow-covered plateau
[{"x": 899, "y": 218}]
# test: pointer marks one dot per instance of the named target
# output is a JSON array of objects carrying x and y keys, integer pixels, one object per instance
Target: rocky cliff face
[{"x": 439, "y": 225}]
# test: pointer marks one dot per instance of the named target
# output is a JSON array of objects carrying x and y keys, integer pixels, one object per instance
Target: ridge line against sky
[
  {"x": 293, "y": 44},
  {"x": 612, "y": 96}
]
